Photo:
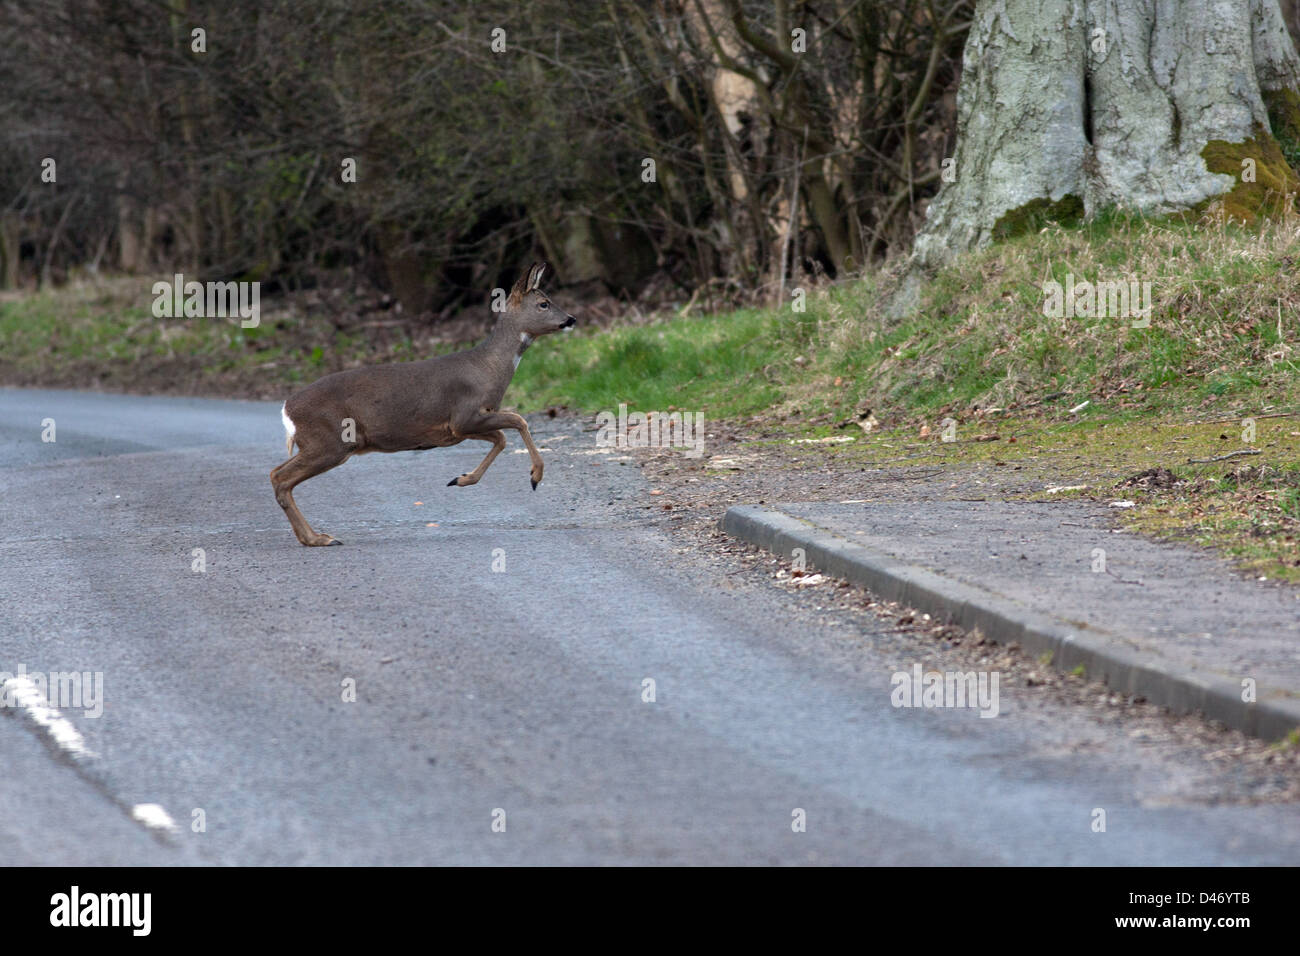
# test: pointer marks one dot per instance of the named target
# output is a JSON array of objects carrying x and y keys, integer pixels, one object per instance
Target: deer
[{"x": 415, "y": 406}]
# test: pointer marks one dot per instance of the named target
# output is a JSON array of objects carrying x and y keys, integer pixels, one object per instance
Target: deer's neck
[{"x": 507, "y": 345}]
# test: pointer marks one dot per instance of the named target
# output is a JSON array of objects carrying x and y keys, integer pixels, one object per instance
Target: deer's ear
[
  {"x": 520, "y": 287},
  {"x": 535, "y": 275}
]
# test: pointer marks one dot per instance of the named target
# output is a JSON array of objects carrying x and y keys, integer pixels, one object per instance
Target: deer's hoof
[
  {"x": 322, "y": 541},
  {"x": 454, "y": 483},
  {"x": 534, "y": 484}
]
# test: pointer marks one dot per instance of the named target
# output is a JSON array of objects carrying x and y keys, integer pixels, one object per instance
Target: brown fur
[{"x": 417, "y": 405}]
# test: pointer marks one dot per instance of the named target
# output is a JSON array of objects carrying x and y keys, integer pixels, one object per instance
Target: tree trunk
[
  {"x": 10, "y": 245},
  {"x": 1070, "y": 106}
]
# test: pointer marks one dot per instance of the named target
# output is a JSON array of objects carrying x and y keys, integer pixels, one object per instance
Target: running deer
[{"x": 412, "y": 406}]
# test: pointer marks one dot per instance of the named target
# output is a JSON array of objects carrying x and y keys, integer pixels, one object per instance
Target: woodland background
[{"x": 227, "y": 163}]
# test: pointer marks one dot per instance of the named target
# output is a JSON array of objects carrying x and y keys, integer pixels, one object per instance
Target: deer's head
[{"x": 530, "y": 310}]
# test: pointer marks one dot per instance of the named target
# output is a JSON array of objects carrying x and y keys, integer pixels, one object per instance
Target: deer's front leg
[
  {"x": 498, "y": 441},
  {"x": 494, "y": 421}
]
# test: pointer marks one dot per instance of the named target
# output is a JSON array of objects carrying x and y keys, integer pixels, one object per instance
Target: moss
[
  {"x": 1274, "y": 177},
  {"x": 1033, "y": 215}
]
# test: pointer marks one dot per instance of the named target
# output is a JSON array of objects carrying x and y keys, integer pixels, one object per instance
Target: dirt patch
[{"x": 1151, "y": 478}]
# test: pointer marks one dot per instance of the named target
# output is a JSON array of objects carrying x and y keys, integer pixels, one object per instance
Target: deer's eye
[{"x": 543, "y": 305}]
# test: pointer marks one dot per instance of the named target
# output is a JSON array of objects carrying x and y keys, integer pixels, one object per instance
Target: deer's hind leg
[
  {"x": 304, "y": 465},
  {"x": 498, "y": 440}
]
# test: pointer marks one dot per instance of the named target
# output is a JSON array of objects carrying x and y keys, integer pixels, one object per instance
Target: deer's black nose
[{"x": 569, "y": 323}]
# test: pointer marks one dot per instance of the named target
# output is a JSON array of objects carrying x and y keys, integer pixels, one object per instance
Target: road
[{"x": 486, "y": 696}]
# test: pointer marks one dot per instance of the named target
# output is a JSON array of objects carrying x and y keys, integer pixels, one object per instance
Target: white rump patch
[{"x": 289, "y": 428}]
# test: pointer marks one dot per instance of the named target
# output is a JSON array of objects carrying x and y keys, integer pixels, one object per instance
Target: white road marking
[
  {"x": 22, "y": 690},
  {"x": 153, "y": 816},
  {"x": 28, "y": 696}
]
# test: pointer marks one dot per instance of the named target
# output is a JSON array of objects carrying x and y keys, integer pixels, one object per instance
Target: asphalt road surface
[{"x": 498, "y": 641}]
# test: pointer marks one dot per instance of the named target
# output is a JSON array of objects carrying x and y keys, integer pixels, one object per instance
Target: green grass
[
  {"x": 979, "y": 339},
  {"x": 1225, "y": 302},
  {"x": 104, "y": 333},
  {"x": 717, "y": 364}
]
